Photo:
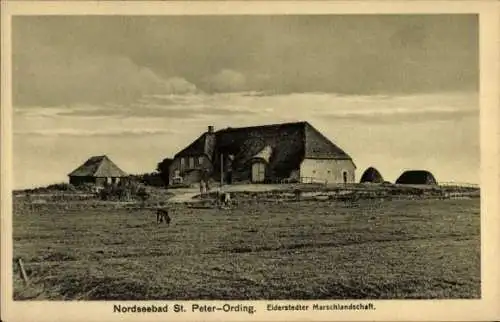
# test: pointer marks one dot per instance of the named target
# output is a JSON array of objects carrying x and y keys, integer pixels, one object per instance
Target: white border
[{"x": 402, "y": 310}]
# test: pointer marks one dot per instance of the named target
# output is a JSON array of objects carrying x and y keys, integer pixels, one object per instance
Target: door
[
  {"x": 258, "y": 172},
  {"x": 344, "y": 176}
]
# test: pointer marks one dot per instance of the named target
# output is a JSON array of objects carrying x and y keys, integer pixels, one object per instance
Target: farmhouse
[
  {"x": 98, "y": 170},
  {"x": 267, "y": 153}
]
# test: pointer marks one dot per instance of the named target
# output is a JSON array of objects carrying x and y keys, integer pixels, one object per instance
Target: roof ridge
[
  {"x": 261, "y": 126},
  {"x": 193, "y": 144},
  {"x": 99, "y": 166}
]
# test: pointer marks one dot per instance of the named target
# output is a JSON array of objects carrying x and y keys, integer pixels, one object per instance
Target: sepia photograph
[{"x": 309, "y": 158}]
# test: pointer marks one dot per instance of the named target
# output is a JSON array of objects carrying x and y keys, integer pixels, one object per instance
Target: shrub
[
  {"x": 53, "y": 187},
  {"x": 152, "y": 179},
  {"x": 61, "y": 187},
  {"x": 124, "y": 191},
  {"x": 143, "y": 194},
  {"x": 86, "y": 187},
  {"x": 114, "y": 193}
]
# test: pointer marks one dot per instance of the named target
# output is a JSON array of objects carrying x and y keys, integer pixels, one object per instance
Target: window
[
  {"x": 182, "y": 162},
  {"x": 200, "y": 160},
  {"x": 191, "y": 162}
]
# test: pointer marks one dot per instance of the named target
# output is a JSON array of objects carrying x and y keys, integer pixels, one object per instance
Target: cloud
[
  {"x": 89, "y": 133},
  {"x": 178, "y": 85},
  {"x": 179, "y": 113},
  {"x": 227, "y": 80},
  {"x": 398, "y": 132},
  {"x": 374, "y": 109},
  {"x": 100, "y": 59},
  {"x": 406, "y": 108},
  {"x": 405, "y": 117},
  {"x": 172, "y": 106},
  {"x": 45, "y": 75}
]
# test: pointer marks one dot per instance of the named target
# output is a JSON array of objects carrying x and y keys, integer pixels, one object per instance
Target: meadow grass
[{"x": 369, "y": 249}]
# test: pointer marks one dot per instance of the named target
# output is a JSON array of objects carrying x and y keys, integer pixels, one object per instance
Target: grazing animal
[{"x": 162, "y": 215}]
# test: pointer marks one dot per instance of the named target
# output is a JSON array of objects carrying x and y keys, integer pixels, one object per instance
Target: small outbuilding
[
  {"x": 98, "y": 170},
  {"x": 417, "y": 177},
  {"x": 371, "y": 175}
]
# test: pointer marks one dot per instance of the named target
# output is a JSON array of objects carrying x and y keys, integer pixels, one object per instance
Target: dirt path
[
  {"x": 187, "y": 194},
  {"x": 183, "y": 197}
]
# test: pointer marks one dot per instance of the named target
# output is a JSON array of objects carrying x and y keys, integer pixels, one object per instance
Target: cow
[{"x": 162, "y": 215}]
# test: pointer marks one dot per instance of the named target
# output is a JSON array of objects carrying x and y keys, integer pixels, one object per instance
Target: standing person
[
  {"x": 218, "y": 192},
  {"x": 202, "y": 187},
  {"x": 229, "y": 171},
  {"x": 205, "y": 178}
]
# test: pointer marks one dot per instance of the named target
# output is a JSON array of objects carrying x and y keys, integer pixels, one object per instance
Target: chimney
[{"x": 210, "y": 129}]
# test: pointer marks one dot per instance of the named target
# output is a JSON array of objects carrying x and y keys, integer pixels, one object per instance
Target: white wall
[{"x": 326, "y": 169}]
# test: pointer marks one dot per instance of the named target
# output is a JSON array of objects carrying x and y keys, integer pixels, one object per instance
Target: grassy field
[{"x": 283, "y": 250}]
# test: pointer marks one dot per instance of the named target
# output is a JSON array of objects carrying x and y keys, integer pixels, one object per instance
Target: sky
[{"x": 394, "y": 91}]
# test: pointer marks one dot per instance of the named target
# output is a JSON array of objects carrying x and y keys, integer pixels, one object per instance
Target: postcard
[{"x": 250, "y": 161}]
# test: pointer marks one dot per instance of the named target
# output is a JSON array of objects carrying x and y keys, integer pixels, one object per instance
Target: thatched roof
[
  {"x": 417, "y": 177},
  {"x": 204, "y": 145},
  {"x": 290, "y": 143},
  {"x": 371, "y": 175},
  {"x": 98, "y": 166}
]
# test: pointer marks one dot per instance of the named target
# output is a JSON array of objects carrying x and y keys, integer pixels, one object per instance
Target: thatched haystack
[
  {"x": 371, "y": 175},
  {"x": 417, "y": 177}
]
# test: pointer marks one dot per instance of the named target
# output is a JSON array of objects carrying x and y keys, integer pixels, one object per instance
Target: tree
[
  {"x": 162, "y": 169},
  {"x": 143, "y": 194}
]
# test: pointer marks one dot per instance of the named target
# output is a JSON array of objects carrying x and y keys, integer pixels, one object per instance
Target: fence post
[{"x": 23, "y": 272}]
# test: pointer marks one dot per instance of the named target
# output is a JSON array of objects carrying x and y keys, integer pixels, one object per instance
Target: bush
[
  {"x": 143, "y": 194},
  {"x": 124, "y": 191},
  {"x": 148, "y": 179},
  {"x": 53, "y": 187},
  {"x": 87, "y": 187},
  {"x": 61, "y": 187},
  {"x": 109, "y": 193},
  {"x": 152, "y": 179}
]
